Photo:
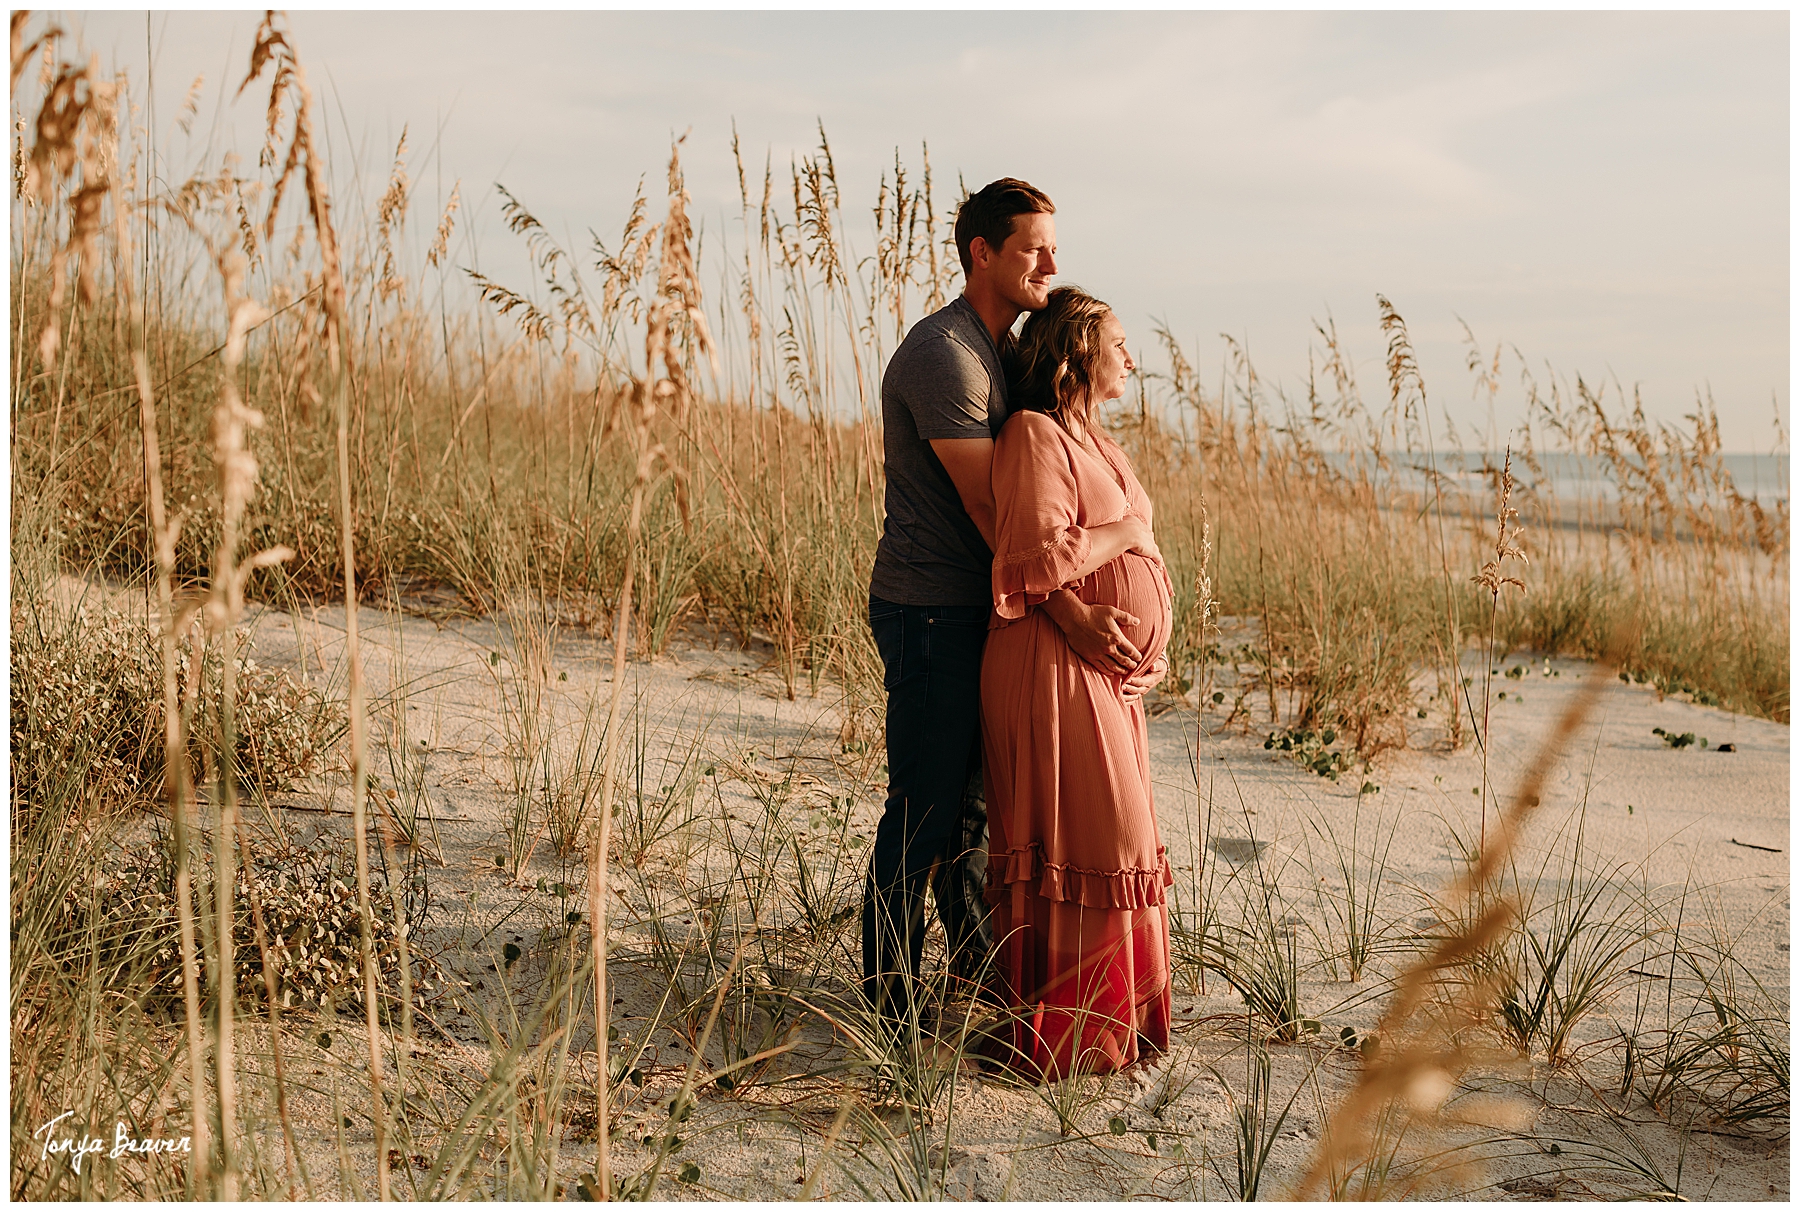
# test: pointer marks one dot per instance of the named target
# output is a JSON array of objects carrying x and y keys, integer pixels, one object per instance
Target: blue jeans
[{"x": 934, "y": 826}]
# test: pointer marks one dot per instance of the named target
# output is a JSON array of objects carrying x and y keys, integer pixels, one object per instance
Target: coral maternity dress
[{"x": 1076, "y": 869}]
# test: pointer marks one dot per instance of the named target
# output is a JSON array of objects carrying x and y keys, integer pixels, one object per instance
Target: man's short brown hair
[{"x": 989, "y": 213}]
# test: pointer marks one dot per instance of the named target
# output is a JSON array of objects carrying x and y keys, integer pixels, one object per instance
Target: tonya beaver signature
[{"x": 79, "y": 1148}]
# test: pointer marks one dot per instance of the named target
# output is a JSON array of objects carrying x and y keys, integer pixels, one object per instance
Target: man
[{"x": 943, "y": 399}]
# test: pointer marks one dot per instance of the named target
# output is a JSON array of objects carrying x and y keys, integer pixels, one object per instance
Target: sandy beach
[{"x": 731, "y": 769}]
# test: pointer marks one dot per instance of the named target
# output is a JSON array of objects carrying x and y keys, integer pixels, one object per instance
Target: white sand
[{"x": 1654, "y": 818}]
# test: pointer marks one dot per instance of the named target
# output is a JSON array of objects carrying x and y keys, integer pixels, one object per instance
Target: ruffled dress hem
[{"x": 1126, "y": 888}]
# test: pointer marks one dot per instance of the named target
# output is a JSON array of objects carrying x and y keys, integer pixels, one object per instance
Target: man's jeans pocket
[
  {"x": 888, "y": 623},
  {"x": 955, "y": 639}
]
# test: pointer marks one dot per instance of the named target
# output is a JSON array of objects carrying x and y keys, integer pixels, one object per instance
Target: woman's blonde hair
[{"x": 1050, "y": 367}]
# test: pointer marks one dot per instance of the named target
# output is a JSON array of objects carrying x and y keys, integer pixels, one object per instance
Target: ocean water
[{"x": 1759, "y": 477}]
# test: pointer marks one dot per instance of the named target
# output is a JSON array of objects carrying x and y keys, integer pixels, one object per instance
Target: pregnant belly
[{"x": 1134, "y": 583}]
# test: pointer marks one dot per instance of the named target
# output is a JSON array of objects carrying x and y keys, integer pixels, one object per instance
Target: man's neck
[{"x": 997, "y": 315}]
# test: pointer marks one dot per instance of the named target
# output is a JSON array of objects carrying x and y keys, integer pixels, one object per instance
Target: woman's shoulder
[
  {"x": 1031, "y": 435},
  {"x": 1031, "y": 425}
]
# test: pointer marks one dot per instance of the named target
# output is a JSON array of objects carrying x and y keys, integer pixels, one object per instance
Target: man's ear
[{"x": 979, "y": 252}]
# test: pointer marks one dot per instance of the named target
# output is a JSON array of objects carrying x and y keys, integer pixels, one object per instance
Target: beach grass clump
[
  {"x": 1581, "y": 928},
  {"x": 89, "y": 700},
  {"x": 308, "y": 921},
  {"x": 1723, "y": 1050},
  {"x": 81, "y": 711}
]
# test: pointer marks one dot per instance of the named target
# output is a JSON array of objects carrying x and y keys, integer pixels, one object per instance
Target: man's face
[{"x": 1021, "y": 269}]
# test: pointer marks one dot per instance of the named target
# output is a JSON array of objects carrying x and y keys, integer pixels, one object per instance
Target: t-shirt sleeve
[
  {"x": 1035, "y": 497},
  {"x": 946, "y": 387}
]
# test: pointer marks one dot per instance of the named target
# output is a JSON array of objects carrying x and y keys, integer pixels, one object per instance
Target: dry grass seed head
[
  {"x": 1506, "y": 538},
  {"x": 440, "y": 247},
  {"x": 190, "y": 106},
  {"x": 302, "y": 157},
  {"x": 21, "y": 53},
  {"x": 77, "y": 126},
  {"x": 390, "y": 220}
]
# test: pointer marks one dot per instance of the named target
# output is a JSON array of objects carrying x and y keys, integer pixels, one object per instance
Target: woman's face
[{"x": 1112, "y": 365}]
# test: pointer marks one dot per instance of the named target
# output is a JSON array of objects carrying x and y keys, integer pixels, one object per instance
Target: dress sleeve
[{"x": 1039, "y": 544}]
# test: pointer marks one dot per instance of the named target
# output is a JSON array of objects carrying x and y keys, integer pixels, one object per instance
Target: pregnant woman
[{"x": 1077, "y": 870}]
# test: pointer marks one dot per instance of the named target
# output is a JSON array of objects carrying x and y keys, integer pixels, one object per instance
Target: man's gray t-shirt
[{"x": 944, "y": 381}]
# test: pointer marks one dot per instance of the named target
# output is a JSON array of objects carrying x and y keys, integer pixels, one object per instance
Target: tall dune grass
[{"x": 481, "y": 440}]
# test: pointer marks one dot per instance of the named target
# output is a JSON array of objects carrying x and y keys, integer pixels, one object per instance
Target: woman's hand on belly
[
  {"x": 1107, "y": 543},
  {"x": 1095, "y": 633},
  {"x": 1143, "y": 538},
  {"x": 1135, "y": 583},
  {"x": 1138, "y": 685}
]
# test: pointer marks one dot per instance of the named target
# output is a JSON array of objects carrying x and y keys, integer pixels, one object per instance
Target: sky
[{"x": 1606, "y": 192}]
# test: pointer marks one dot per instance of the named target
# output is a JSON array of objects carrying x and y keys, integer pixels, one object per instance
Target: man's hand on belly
[{"x": 1094, "y": 633}]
